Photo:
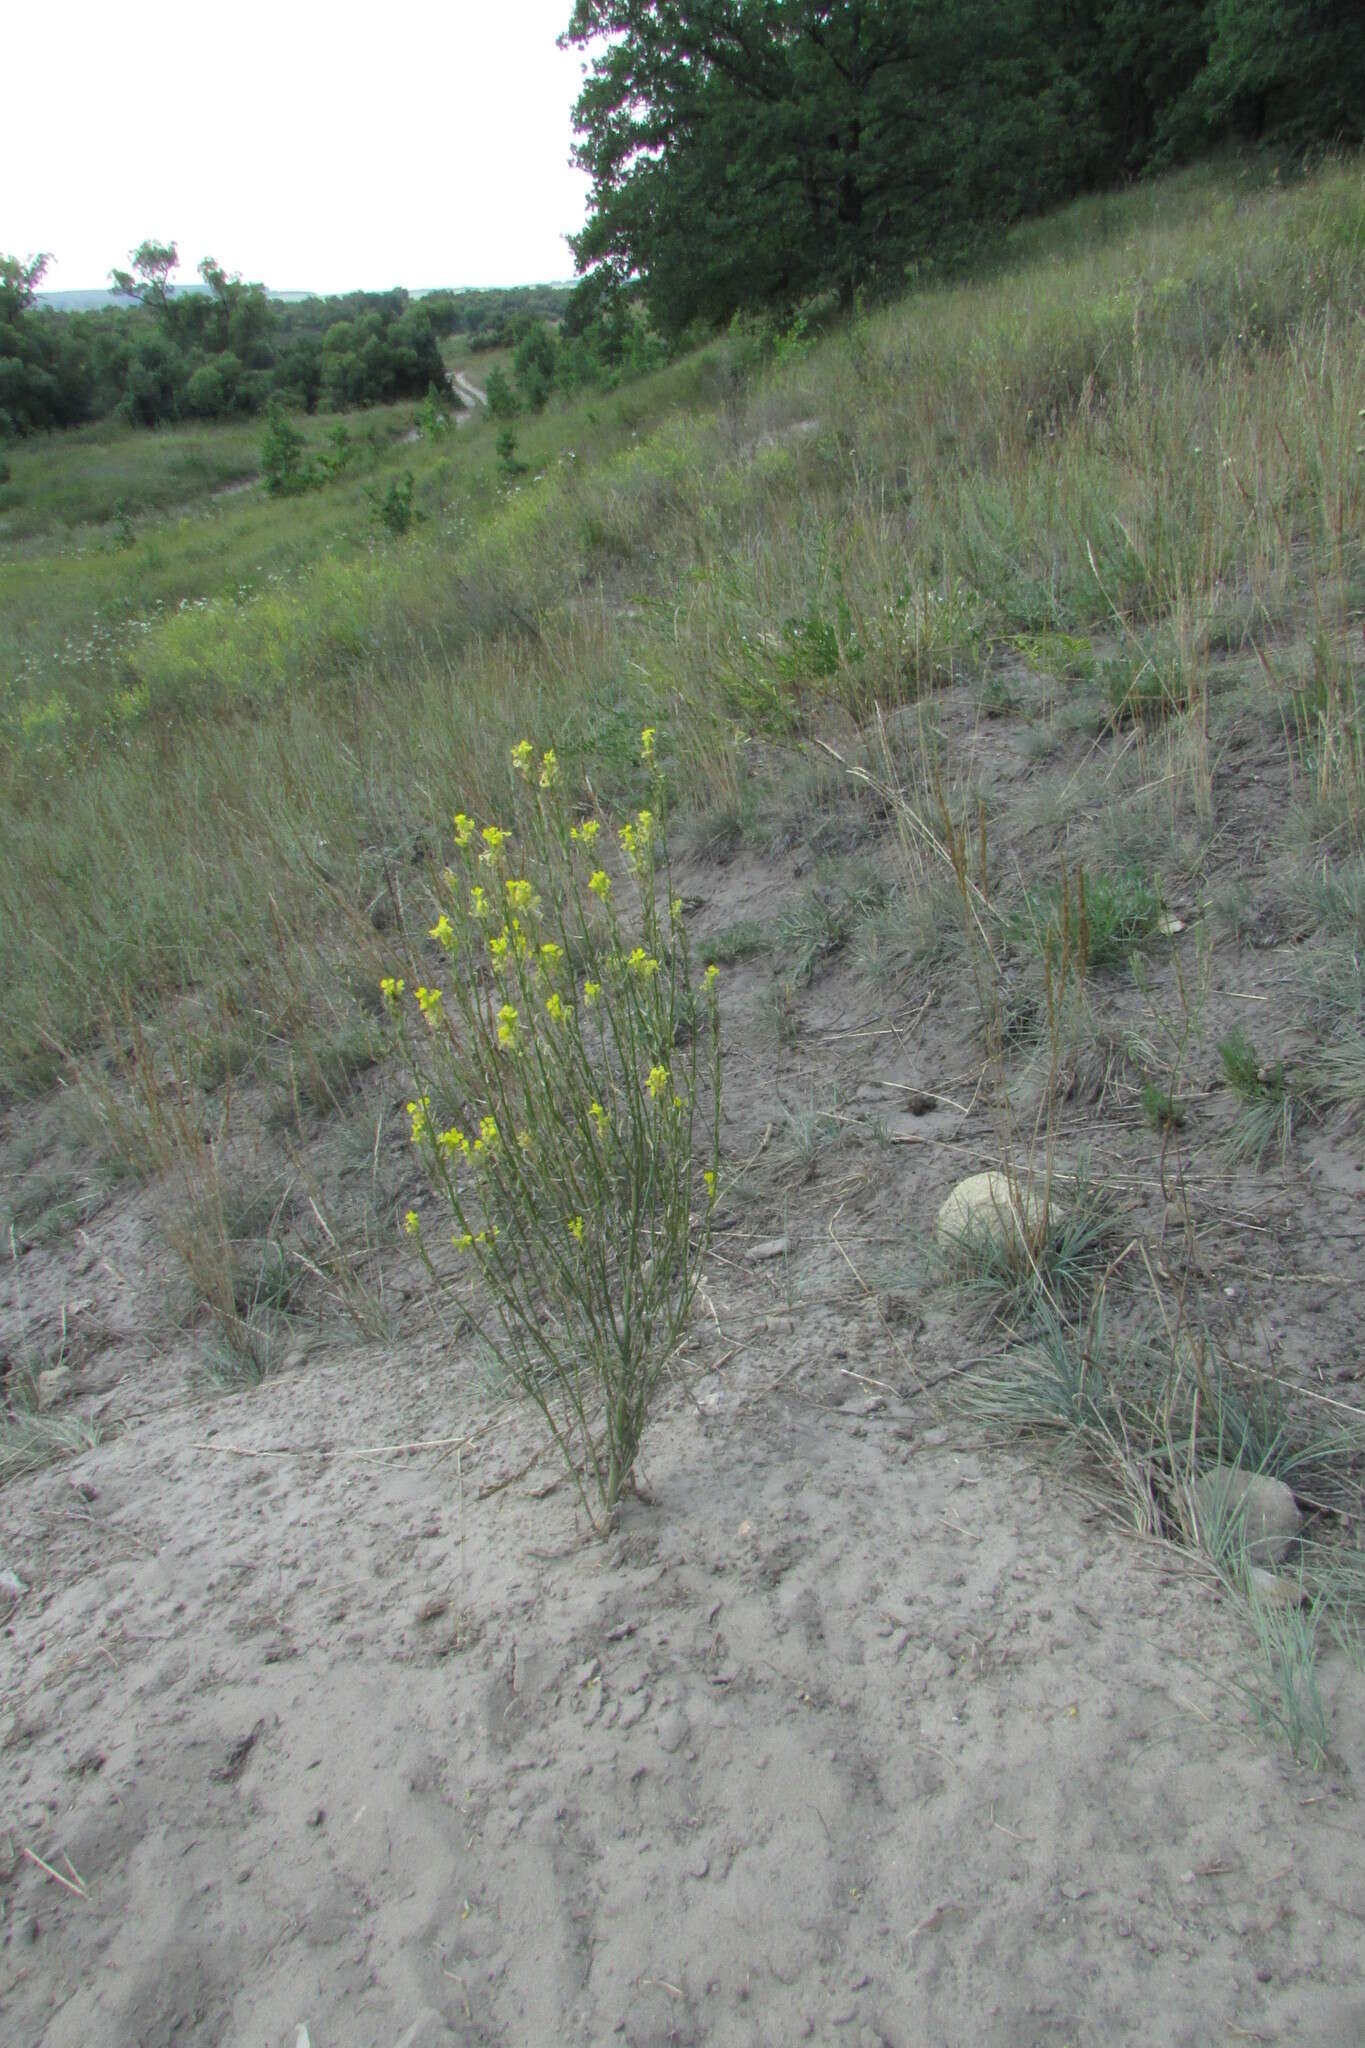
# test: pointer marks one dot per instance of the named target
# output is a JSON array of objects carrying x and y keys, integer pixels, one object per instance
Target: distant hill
[
  {"x": 81, "y": 302},
  {"x": 96, "y": 301}
]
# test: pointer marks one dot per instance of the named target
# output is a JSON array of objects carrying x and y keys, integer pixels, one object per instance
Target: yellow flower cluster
[
  {"x": 443, "y": 931},
  {"x": 429, "y": 1003},
  {"x": 523, "y": 753},
  {"x": 637, "y": 839},
  {"x": 585, "y": 833},
  {"x": 656, "y": 1081},
  {"x": 642, "y": 964},
  {"x": 507, "y": 1025},
  {"x": 417, "y": 1118}
]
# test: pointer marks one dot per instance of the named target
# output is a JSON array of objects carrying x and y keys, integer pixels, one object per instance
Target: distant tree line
[
  {"x": 225, "y": 349},
  {"x": 749, "y": 154}
]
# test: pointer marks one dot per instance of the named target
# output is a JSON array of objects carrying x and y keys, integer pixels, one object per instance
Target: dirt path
[{"x": 471, "y": 393}]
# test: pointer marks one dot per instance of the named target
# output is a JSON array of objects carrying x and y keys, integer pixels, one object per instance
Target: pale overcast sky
[{"x": 313, "y": 147}]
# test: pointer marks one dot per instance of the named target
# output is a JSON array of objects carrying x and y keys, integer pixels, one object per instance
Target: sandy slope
[
  {"x": 858, "y": 1732},
  {"x": 849, "y": 1736}
]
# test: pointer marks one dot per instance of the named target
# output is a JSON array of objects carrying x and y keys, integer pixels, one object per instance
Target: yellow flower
[
  {"x": 657, "y": 1081},
  {"x": 641, "y": 963},
  {"x": 549, "y": 769},
  {"x": 417, "y": 1116},
  {"x": 555, "y": 1009},
  {"x": 599, "y": 1117},
  {"x": 675, "y": 908},
  {"x": 391, "y": 990},
  {"x": 591, "y": 991},
  {"x": 525, "y": 1141},
  {"x": 453, "y": 1140},
  {"x": 412, "y": 1223},
  {"x": 479, "y": 906},
  {"x": 586, "y": 832},
  {"x": 710, "y": 1179},
  {"x": 497, "y": 946},
  {"x": 575, "y": 1228},
  {"x": 464, "y": 828},
  {"x": 521, "y": 757},
  {"x": 507, "y": 1025},
  {"x": 600, "y": 884},
  {"x": 494, "y": 840},
  {"x": 520, "y": 895},
  {"x": 463, "y": 1242},
  {"x": 551, "y": 955},
  {"x": 712, "y": 975},
  {"x": 647, "y": 738},
  {"x": 488, "y": 1138},
  {"x": 636, "y": 840},
  {"x": 443, "y": 931},
  {"x": 429, "y": 1003}
]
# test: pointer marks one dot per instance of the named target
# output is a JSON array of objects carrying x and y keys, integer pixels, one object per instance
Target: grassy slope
[{"x": 1142, "y": 427}]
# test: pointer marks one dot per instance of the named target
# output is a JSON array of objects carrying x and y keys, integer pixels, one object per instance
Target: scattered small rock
[
  {"x": 431, "y": 1610},
  {"x": 672, "y": 1729},
  {"x": 53, "y": 1386},
  {"x": 317, "y": 1816},
  {"x": 990, "y": 1207},
  {"x": 1272, "y": 1589},
  {"x": 767, "y": 1248},
  {"x": 11, "y": 1583},
  {"x": 1261, "y": 1508},
  {"x": 896, "y": 1306},
  {"x": 237, "y": 1758}
]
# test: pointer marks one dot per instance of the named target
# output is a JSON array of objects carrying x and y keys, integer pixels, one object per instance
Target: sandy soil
[{"x": 856, "y": 1731}]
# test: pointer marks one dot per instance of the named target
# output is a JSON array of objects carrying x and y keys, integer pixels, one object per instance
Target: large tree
[
  {"x": 754, "y": 152},
  {"x": 747, "y": 152}
]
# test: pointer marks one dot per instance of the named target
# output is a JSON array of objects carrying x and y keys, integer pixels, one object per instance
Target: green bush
[{"x": 565, "y": 1074}]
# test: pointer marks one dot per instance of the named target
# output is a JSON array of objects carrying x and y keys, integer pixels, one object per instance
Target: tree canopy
[{"x": 748, "y": 153}]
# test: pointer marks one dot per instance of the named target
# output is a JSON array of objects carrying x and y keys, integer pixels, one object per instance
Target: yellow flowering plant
[{"x": 581, "y": 1063}]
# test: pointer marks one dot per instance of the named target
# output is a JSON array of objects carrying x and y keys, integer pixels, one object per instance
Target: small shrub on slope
[{"x": 574, "y": 1062}]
